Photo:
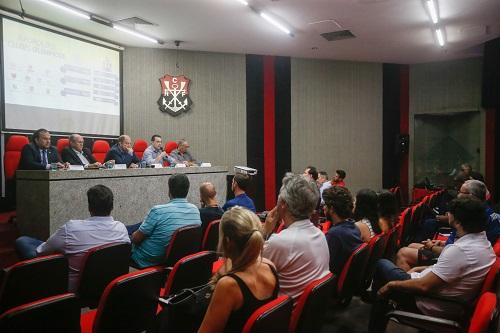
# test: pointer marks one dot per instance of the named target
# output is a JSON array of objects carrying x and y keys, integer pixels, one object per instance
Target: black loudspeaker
[
  {"x": 491, "y": 75},
  {"x": 403, "y": 143}
]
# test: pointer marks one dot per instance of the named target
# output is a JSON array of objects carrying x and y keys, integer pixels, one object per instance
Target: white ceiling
[{"x": 393, "y": 31}]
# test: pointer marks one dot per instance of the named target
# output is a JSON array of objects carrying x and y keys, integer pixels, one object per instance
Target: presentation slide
[{"x": 59, "y": 82}]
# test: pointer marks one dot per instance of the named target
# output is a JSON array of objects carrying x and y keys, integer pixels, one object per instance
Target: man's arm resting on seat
[
  {"x": 422, "y": 285},
  {"x": 137, "y": 237}
]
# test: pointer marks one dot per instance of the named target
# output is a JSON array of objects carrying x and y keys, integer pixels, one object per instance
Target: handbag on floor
[{"x": 184, "y": 311}]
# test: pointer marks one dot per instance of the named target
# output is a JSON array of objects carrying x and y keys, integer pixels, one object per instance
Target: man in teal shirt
[{"x": 153, "y": 235}]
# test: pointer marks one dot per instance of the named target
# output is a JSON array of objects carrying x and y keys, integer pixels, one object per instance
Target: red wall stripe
[
  {"x": 490, "y": 150},
  {"x": 404, "y": 124},
  {"x": 269, "y": 134}
]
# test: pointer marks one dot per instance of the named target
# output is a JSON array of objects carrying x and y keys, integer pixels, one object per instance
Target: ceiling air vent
[
  {"x": 135, "y": 20},
  {"x": 337, "y": 35}
]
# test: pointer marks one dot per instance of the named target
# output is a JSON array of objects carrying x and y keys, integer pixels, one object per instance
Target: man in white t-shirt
[
  {"x": 459, "y": 272},
  {"x": 300, "y": 251}
]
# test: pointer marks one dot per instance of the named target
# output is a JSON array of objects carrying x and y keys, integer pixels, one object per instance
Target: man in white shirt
[
  {"x": 299, "y": 252},
  {"x": 458, "y": 273},
  {"x": 76, "y": 237}
]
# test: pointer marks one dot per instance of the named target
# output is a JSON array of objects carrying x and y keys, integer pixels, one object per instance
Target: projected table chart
[{"x": 48, "y": 199}]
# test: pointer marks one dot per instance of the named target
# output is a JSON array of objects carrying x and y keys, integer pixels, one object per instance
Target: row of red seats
[{"x": 15, "y": 144}]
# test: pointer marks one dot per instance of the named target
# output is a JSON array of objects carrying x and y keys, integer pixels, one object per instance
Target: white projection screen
[{"x": 58, "y": 82}]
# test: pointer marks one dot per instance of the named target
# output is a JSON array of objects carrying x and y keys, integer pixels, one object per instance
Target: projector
[{"x": 245, "y": 170}]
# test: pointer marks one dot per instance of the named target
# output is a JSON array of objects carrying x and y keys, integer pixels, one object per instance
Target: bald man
[
  {"x": 210, "y": 209},
  {"x": 122, "y": 153},
  {"x": 76, "y": 154}
]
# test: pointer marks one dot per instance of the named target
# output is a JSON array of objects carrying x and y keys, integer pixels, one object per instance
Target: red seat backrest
[
  {"x": 490, "y": 279},
  {"x": 140, "y": 146},
  {"x": 309, "y": 310},
  {"x": 271, "y": 317},
  {"x": 211, "y": 237},
  {"x": 12, "y": 155},
  {"x": 484, "y": 313},
  {"x": 100, "y": 149},
  {"x": 61, "y": 144},
  {"x": 353, "y": 271},
  {"x": 185, "y": 240},
  {"x": 496, "y": 247},
  {"x": 169, "y": 146}
]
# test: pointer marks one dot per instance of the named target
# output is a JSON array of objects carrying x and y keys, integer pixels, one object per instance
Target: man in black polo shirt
[{"x": 343, "y": 237}]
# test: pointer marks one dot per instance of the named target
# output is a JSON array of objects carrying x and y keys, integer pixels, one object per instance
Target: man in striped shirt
[{"x": 153, "y": 235}]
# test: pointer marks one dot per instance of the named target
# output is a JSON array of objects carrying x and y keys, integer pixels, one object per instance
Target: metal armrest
[{"x": 423, "y": 322}]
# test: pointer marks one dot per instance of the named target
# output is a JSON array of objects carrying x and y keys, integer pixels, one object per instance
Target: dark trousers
[
  {"x": 26, "y": 247},
  {"x": 386, "y": 271},
  {"x": 133, "y": 228}
]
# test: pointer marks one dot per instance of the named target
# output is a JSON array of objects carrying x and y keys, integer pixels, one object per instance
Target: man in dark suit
[
  {"x": 75, "y": 154},
  {"x": 122, "y": 153},
  {"x": 39, "y": 154}
]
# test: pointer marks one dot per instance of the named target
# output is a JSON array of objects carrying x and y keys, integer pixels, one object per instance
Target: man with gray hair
[
  {"x": 427, "y": 252},
  {"x": 76, "y": 154},
  {"x": 299, "y": 252},
  {"x": 122, "y": 153},
  {"x": 181, "y": 154}
]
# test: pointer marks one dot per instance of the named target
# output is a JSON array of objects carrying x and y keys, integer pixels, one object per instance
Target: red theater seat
[
  {"x": 170, "y": 146},
  {"x": 211, "y": 236},
  {"x": 351, "y": 276},
  {"x": 128, "y": 304},
  {"x": 102, "y": 265},
  {"x": 12, "y": 155},
  {"x": 184, "y": 241},
  {"x": 273, "y": 317},
  {"x": 61, "y": 144},
  {"x": 140, "y": 146},
  {"x": 56, "y": 314},
  {"x": 309, "y": 311},
  {"x": 100, "y": 149},
  {"x": 33, "y": 279}
]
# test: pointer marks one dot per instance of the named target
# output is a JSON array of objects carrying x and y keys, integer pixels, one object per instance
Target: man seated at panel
[
  {"x": 76, "y": 237},
  {"x": 239, "y": 186},
  {"x": 151, "y": 237},
  {"x": 344, "y": 236},
  {"x": 458, "y": 273},
  {"x": 155, "y": 154},
  {"x": 76, "y": 154},
  {"x": 210, "y": 209},
  {"x": 122, "y": 153},
  {"x": 181, "y": 155},
  {"x": 300, "y": 251},
  {"x": 40, "y": 154},
  {"x": 426, "y": 252}
]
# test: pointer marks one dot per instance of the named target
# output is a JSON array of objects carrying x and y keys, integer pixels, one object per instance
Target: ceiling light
[
  {"x": 135, "y": 33},
  {"x": 275, "y": 23},
  {"x": 440, "y": 38},
  {"x": 243, "y": 2},
  {"x": 67, "y": 9},
  {"x": 431, "y": 5}
]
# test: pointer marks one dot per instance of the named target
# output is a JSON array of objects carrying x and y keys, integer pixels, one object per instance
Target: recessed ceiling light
[
  {"x": 135, "y": 33},
  {"x": 440, "y": 37},
  {"x": 431, "y": 5},
  {"x": 275, "y": 23}
]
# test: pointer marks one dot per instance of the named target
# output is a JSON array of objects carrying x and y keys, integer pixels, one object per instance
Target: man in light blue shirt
[
  {"x": 151, "y": 238},
  {"x": 154, "y": 154}
]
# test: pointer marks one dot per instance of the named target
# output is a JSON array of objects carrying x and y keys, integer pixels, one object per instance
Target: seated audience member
[
  {"x": 76, "y": 237},
  {"x": 299, "y": 252},
  {"x": 322, "y": 178},
  {"x": 338, "y": 180},
  {"x": 155, "y": 154},
  {"x": 122, "y": 153},
  {"x": 210, "y": 209},
  {"x": 426, "y": 252},
  {"x": 76, "y": 154},
  {"x": 39, "y": 154},
  {"x": 239, "y": 186},
  {"x": 458, "y": 273},
  {"x": 468, "y": 173},
  {"x": 365, "y": 214},
  {"x": 248, "y": 281},
  {"x": 311, "y": 173},
  {"x": 151, "y": 237},
  {"x": 388, "y": 211},
  {"x": 343, "y": 237},
  {"x": 182, "y": 155}
]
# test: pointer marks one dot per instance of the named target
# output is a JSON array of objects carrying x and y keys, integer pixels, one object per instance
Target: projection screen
[{"x": 59, "y": 82}]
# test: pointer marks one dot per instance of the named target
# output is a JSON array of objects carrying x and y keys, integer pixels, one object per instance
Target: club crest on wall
[{"x": 174, "y": 97}]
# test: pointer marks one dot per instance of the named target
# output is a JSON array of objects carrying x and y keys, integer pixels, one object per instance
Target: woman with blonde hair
[{"x": 249, "y": 280}]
